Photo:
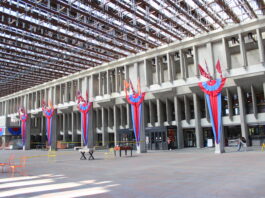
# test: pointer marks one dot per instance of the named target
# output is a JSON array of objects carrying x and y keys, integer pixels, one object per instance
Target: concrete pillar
[
  {"x": 91, "y": 129},
  {"x": 195, "y": 60},
  {"x": 198, "y": 128},
  {"x": 158, "y": 70},
  {"x": 182, "y": 64},
  {"x": 169, "y": 67},
  {"x": 99, "y": 84},
  {"x": 54, "y": 131},
  {"x": 74, "y": 127},
  {"x": 104, "y": 126},
  {"x": 254, "y": 102},
  {"x": 72, "y": 95},
  {"x": 243, "y": 51},
  {"x": 116, "y": 79},
  {"x": 115, "y": 125},
  {"x": 168, "y": 111},
  {"x": 65, "y": 128},
  {"x": 178, "y": 107},
  {"x": 187, "y": 108},
  {"x": 242, "y": 107},
  {"x": 129, "y": 121},
  {"x": 226, "y": 64},
  {"x": 43, "y": 130},
  {"x": 61, "y": 94},
  {"x": 261, "y": 47},
  {"x": 210, "y": 61},
  {"x": 66, "y": 92},
  {"x": 230, "y": 104},
  {"x": 54, "y": 96},
  {"x": 28, "y": 131},
  {"x": 146, "y": 77},
  {"x": 160, "y": 115},
  {"x": 152, "y": 113},
  {"x": 142, "y": 147}
]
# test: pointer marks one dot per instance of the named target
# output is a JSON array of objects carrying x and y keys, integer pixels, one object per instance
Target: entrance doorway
[
  {"x": 189, "y": 138},
  {"x": 157, "y": 138}
]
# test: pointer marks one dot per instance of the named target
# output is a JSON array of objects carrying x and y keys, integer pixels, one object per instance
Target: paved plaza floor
[{"x": 185, "y": 173}]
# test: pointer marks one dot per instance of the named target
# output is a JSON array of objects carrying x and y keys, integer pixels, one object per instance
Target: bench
[
  {"x": 88, "y": 151},
  {"x": 120, "y": 148}
]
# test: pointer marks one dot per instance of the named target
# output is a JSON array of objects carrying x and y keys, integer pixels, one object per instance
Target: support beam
[{"x": 242, "y": 107}]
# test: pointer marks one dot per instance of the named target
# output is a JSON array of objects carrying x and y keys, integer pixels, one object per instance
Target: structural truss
[{"x": 41, "y": 40}]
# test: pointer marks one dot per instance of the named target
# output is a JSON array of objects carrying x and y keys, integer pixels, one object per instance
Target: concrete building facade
[{"x": 174, "y": 105}]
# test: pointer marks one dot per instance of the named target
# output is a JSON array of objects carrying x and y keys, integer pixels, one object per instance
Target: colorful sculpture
[
  {"x": 48, "y": 112},
  {"x": 84, "y": 106},
  {"x": 23, "y": 116},
  {"x": 135, "y": 100},
  {"x": 212, "y": 89}
]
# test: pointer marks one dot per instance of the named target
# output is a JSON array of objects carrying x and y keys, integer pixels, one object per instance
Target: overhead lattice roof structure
[{"x": 41, "y": 40}]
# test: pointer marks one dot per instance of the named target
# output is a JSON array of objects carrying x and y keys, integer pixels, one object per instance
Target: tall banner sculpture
[
  {"x": 48, "y": 112},
  {"x": 23, "y": 116},
  {"x": 135, "y": 100},
  {"x": 212, "y": 89},
  {"x": 84, "y": 106}
]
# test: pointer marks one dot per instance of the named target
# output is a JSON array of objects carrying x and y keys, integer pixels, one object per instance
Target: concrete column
[
  {"x": 104, "y": 126},
  {"x": 66, "y": 92},
  {"x": 152, "y": 114},
  {"x": 65, "y": 128},
  {"x": 116, "y": 79},
  {"x": 158, "y": 71},
  {"x": 146, "y": 74},
  {"x": 169, "y": 68},
  {"x": 242, "y": 107},
  {"x": 211, "y": 63},
  {"x": 168, "y": 111},
  {"x": 43, "y": 129},
  {"x": 230, "y": 104},
  {"x": 61, "y": 94},
  {"x": 159, "y": 112},
  {"x": 78, "y": 86},
  {"x": 261, "y": 47},
  {"x": 243, "y": 51},
  {"x": 54, "y": 131},
  {"x": 115, "y": 125},
  {"x": 142, "y": 147},
  {"x": 195, "y": 60},
  {"x": 182, "y": 64},
  {"x": 45, "y": 96},
  {"x": 226, "y": 64},
  {"x": 254, "y": 102},
  {"x": 187, "y": 108},
  {"x": 178, "y": 107},
  {"x": 28, "y": 124},
  {"x": 27, "y": 102},
  {"x": 74, "y": 127},
  {"x": 99, "y": 84},
  {"x": 108, "y": 82},
  {"x": 136, "y": 70},
  {"x": 91, "y": 129},
  {"x": 72, "y": 95},
  {"x": 198, "y": 128},
  {"x": 54, "y": 98},
  {"x": 129, "y": 121},
  {"x": 90, "y": 87}
]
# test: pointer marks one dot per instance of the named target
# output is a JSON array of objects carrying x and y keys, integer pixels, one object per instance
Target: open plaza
[{"x": 189, "y": 173}]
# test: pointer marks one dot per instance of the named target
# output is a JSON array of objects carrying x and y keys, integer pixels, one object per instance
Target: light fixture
[
  {"x": 250, "y": 37},
  {"x": 234, "y": 40}
]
